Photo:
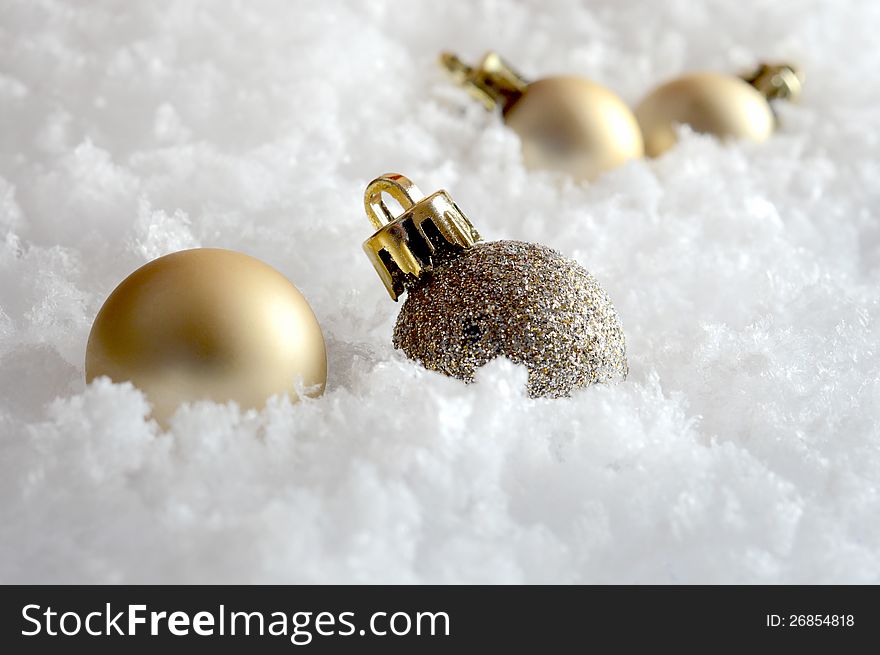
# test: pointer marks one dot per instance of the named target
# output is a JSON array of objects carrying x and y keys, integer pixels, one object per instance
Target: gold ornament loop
[
  {"x": 430, "y": 231},
  {"x": 777, "y": 81},
  {"x": 493, "y": 82},
  {"x": 397, "y": 186}
]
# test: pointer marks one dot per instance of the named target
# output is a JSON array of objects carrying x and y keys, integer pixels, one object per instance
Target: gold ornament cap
[
  {"x": 430, "y": 230},
  {"x": 776, "y": 81},
  {"x": 493, "y": 82}
]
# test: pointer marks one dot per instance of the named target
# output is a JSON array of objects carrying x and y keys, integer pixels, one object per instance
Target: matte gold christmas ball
[
  {"x": 572, "y": 125},
  {"x": 567, "y": 124},
  {"x": 207, "y": 324},
  {"x": 712, "y": 103}
]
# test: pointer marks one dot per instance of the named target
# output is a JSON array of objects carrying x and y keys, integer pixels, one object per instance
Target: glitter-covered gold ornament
[
  {"x": 723, "y": 105},
  {"x": 469, "y": 301},
  {"x": 565, "y": 123},
  {"x": 208, "y": 324}
]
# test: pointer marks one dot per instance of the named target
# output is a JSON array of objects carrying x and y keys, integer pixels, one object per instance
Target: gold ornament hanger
[{"x": 404, "y": 247}]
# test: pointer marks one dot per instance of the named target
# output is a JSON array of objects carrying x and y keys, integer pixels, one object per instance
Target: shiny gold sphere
[
  {"x": 207, "y": 324},
  {"x": 723, "y": 105},
  {"x": 575, "y": 126}
]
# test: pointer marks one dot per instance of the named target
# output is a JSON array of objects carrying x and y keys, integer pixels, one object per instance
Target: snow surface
[{"x": 744, "y": 447}]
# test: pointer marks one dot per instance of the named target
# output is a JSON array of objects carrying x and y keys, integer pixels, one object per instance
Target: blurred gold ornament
[
  {"x": 208, "y": 324},
  {"x": 566, "y": 123},
  {"x": 712, "y": 103},
  {"x": 469, "y": 301}
]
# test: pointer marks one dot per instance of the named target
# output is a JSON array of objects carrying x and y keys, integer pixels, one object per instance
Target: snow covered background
[{"x": 745, "y": 446}]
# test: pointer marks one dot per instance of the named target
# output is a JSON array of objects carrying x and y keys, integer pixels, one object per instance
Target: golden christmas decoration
[
  {"x": 712, "y": 103},
  {"x": 208, "y": 324},
  {"x": 565, "y": 123},
  {"x": 470, "y": 301}
]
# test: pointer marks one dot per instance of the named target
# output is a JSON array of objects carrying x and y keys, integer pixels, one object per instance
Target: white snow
[{"x": 745, "y": 446}]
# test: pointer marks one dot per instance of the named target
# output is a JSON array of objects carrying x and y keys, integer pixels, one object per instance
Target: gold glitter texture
[{"x": 519, "y": 300}]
